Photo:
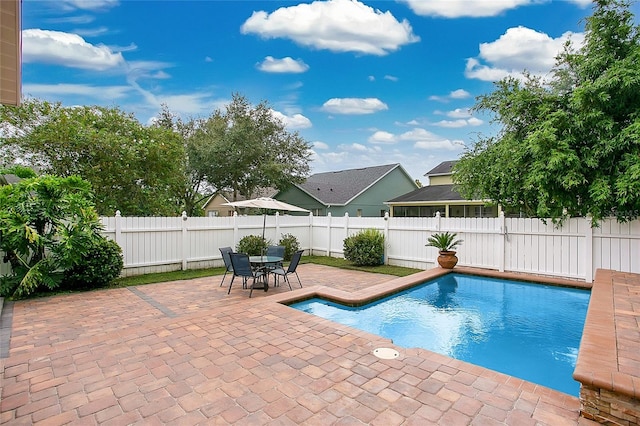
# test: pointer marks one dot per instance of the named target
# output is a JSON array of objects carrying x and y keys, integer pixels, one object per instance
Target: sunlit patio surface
[{"x": 185, "y": 352}]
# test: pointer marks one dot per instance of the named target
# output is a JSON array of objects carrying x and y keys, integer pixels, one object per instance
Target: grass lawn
[{"x": 198, "y": 273}]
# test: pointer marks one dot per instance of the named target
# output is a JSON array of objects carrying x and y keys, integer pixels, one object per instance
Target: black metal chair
[
  {"x": 275, "y": 251},
  {"x": 281, "y": 272},
  {"x": 225, "y": 252},
  {"x": 242, "y": 268}
]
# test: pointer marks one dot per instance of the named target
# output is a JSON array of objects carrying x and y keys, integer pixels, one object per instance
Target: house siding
[{"x": 369, "y": 203}]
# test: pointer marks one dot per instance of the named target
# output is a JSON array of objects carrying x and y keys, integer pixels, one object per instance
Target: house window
[
  {"x": 418, "y": 211},
  {"x": 359, "y": 213},
  {"x": 213, "y": 213}
]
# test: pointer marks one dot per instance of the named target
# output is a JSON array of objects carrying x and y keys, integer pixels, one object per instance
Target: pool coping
[
  {"x": 608, "y": 360},
  {"x": 379, "y": 291}
]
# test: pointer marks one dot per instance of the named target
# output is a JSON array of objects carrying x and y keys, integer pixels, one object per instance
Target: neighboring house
[
  {"x": 439, "y": 196},
  {"x": 359, "y": 192},
  {"x": 214, "y": 206}
]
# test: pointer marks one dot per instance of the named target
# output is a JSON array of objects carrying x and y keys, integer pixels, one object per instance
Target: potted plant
[{"x": 445, "y": 242}]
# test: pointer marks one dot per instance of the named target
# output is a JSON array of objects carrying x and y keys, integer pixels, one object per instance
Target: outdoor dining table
[{"x": 262, "y": 263}]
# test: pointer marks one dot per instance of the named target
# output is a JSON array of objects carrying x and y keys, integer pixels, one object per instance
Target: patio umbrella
[{"x": 266, "y": 204}]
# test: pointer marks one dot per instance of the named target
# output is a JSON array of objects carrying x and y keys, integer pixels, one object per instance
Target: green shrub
[
  {"x": 291, "y": 245},
  {"x": 253, "y": 245},
  {"x": 47, "y": 224},
  {"x": 366, "y": 248},
  {"x": 99, "y": 267}
]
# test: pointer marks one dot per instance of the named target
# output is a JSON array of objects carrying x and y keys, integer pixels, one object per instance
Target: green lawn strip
[
  {"x": 198, "y": 273},
  {"x": 166, "y": 276}
]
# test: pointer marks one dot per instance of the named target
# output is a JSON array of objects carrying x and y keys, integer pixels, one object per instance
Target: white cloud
[
  {"x": 186, "y": 104},
  {"x": 76, "y": 20},
  {"x": 446, "y": 144},
  {"x": 391, "y": 78},
  {"x": 517, "y": 50},
  {"x": 100, "y": 92},
  {"x": 381, "y": 137},
  {"x": 335, "y": 25},
  {"x": 459, "y": 94},
  {"x": 473, "y": 121},
  {"x": 284, "y": 65},
  {"x": 320, "y": 145},
  {"x": 459, "y": 8},
  {"x": 459, "y": 113},
  {"x": 451, "y": 124},
  {"x": 582, "y": 3},
  {"x": 65, "y": 49},
  {"x": 146, "y": 69},
  {"x": 424, "y": 139},
  {"x": 354, "y": 106},
  {"x": 456, "y": 94},
  {"x": 94, "y": 32},
  {"x": 474, "y": 69},
  {"x": 88, "y": 4},
  {"x": 456, "y": 124},
  {"x": 295, "y": 121},
  {"x": 371, "y": 78}
]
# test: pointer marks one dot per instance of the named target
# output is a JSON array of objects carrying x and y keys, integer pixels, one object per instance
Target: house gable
[{"x": 355, "y": 191}]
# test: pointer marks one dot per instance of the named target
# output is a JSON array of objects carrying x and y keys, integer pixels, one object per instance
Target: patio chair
[
  {"x": 226, "y": 251},
  {"x": 275, "y": 251},
  {"x": 242, "y": 268},
  {"x": 281, "y": 272}
]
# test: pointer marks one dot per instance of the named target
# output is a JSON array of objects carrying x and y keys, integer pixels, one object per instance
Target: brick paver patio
[{"x": 186, "y": 353}]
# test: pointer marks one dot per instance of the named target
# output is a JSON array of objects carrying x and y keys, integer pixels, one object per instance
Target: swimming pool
[{"x": 526, "y": 330}]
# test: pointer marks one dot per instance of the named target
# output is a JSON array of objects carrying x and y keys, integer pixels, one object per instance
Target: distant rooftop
[
  {"x": 443, "y": 168},
  {"x": 429, "y": 193},
  {"x": 341, "y": 186}
]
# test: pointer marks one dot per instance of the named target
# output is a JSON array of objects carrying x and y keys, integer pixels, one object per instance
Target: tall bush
[
  {"x": 291, "y": 245},
  {"x": 47, "y": 225},
  {"x": 98, "y": 267},
  {"x": 366, "y": 248},
  {"x": 253, "y": 245}
]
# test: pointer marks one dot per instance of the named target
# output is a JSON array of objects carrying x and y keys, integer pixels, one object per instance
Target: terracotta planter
[{"x": 447, "y": 259}]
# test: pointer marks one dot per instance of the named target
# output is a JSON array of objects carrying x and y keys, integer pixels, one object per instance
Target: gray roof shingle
[
  {"x": 443, "y": 168},
  {"x": 340, "y": 187},
  {"x": 429, "y": 193}
]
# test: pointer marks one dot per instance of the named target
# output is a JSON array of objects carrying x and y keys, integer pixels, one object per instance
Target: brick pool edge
[{"x": 607, "y": 365}]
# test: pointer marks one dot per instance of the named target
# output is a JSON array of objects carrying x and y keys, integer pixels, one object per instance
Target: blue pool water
[{"x": 526, "y": 330}]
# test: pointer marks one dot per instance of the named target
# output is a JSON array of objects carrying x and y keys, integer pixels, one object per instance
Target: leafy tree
[
  {"x": 47, "y": 225},
  {"x": 570, "y": 146},
  {"x": 245, "y": 148},
  {"x": 131, "y": 167},
  {"x": 193, "y": 188}
]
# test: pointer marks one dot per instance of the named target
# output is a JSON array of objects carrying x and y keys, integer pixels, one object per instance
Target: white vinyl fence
[{"x": 575, "y": 250}]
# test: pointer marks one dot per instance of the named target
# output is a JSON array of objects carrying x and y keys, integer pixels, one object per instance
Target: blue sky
[{"x": 366, "y": 82}]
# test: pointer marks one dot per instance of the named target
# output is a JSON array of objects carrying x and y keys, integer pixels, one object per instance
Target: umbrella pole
[{"x": 264, "y": 225}]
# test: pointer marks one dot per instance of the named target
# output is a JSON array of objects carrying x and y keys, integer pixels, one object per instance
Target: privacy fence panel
[
  {"x": 575, "y": 250},
  {"x": 617, "y": 246},
  {"x": 406, "y": 241},
  {"x": 536, "y": 247}
]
